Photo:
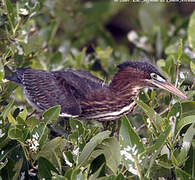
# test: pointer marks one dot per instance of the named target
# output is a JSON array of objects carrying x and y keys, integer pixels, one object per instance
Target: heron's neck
[
  {"x": 125, "y": 83},
  {"x": 111, "y": 102}
]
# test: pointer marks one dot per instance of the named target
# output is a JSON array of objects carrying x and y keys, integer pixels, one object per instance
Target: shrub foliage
[{"x": 155, "y": 141}]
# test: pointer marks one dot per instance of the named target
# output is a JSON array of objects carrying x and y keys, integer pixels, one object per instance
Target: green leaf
[
  {"x": 69, "y": 156},
  {"x": 77, "y": 174},
  {"x": 32, "y": 122},
  {"x": 10, "y": 10},
  {"x": 153, "y": 116},
  {"x": 183, "y": 122},
  {"x": 77, "y": 127},
  {"x": 20, "y": 122},
  {"x": 160, "y": 141},
  {"x": 129, "y": 137},
  {"x": 164, "y": 161},
  {"x": 41, "y": 132},
  {"x": 56, "y": 58},
  {"x": 52, "y": 114},
  {"x": 80, "y": 58},
  {"x": 191, "y": 31},
  {"x": 175, "y": 111},
  {"x": 132, "y": 145},
  {"x": 187, "y": 140},
  {"x": 90, "y": 146},
  {"x": 174, "y": 159},
  {"x": 23, "y": 114},
  {"x": 9, "y": 90},
  {"x": 170, "y": 67},
  {"x": 174, "y": 115},
  {"x": 11, "y": 119},
  {"x": 34, "y": 44},
  {"x": 185, "y": 59},
  {"x": 180, "y": 174},
  {"x": 156, "y": 148},
  {"x": 2, "y": 73},
  {"x": 7, "y": 109},
  {"x": 192, "y": 67},
  {"x": 49, "y": 148},
  {"x": 188, "y": 108},
  {"x": 171, "y": 49},
  {"x": 68, "y": 173},
  {"x": 51, "y": 151},
  {"x": 104, "y": 55},
  {"x": 16, "y": 133},
  {"x": 161, "y": 63},
  {"x": 180, "y": 50},
  {"x": 44, "y": 168},
  {"x": 95, "y": 175},
  {"x": 111, "y": 150}
]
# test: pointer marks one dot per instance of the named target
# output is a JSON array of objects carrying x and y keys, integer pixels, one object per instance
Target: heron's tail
[{"x": 17, "y": 76}]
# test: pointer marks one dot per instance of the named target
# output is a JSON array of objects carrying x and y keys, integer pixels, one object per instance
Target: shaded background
[
  {"x": 96, "y": 36},
  {"x": 57, "y": 30}
]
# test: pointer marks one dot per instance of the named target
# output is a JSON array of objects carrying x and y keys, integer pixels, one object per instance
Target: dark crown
[{"x": 142, "y": 66}]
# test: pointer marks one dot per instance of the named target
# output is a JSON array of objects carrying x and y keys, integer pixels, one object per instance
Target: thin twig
[{"x": 139, "y": 128}]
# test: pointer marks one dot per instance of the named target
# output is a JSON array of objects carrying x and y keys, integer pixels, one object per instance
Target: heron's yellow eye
[
  {"x": 153, "y": 75},
  {"x": 157, "y": 77}
]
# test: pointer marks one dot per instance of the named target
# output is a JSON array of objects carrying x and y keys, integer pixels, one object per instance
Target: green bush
[{"x": 155, "y": 141}]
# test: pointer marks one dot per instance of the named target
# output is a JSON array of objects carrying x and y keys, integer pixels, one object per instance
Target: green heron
[{"x": 82, "y": 95}]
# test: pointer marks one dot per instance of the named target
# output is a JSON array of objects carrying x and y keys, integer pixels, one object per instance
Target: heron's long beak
[{"x": 169, "y": 87}]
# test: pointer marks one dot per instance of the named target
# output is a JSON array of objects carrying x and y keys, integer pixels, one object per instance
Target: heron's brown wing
[
  {"x": 44, "y": 91},
  {"x": 81, "y": 82}
]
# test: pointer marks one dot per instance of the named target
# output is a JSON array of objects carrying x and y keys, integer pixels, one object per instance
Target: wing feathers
[
  {"x": 66, "y": 88},
  {"x": 43, "y": 91}
]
